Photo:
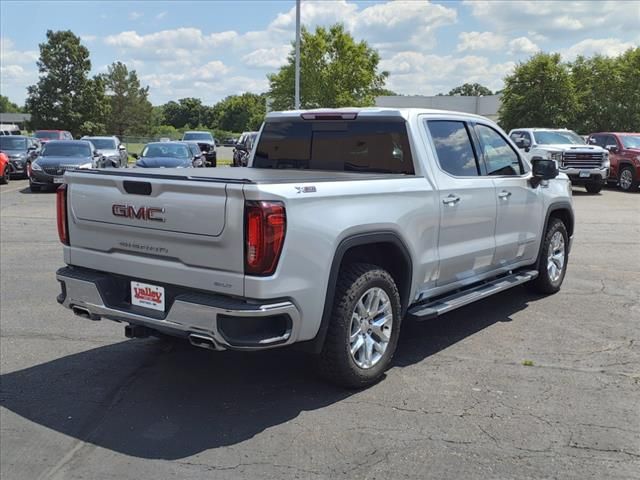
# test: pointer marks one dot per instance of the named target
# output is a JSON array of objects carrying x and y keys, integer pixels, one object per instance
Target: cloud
[
  {"x": 135, "y": 15},
  {"x": 272, "y": 58},
  {"x": 161, "y": 15},
  {"x": 522, "y": 45},
  {"x": 17, "y": 69},
  {"x": 9, "y": 54},
  {"x": 480, "y": 41},
  {"x": 609, "y": 47},
  {"x": 88, "y": 38}
]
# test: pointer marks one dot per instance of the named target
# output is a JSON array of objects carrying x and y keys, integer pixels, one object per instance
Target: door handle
[
  {"x": 451, "y": 199},
  {"x": 504, "y": 194}
]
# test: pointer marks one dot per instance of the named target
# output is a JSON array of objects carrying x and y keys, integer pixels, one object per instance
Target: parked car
[
  {"x": 47, "y": 135},
  {"x": 345, "y": 222},
  {"x": 243, "y": 149},
  {"x": 586, "y": 165},
  {"x": 59, "y": 156},
  {"x": 112, "y": 149},
  {"x": 229, "y": 142},
  {"x": 624, "y": 156},
  {"x": 5, "y": 169},
  {"x": 168, "y": 155},
  {"x": 207, "y": 144},
  {"x": 20, "y": 150},
  {"x": 199, "y": 158}
]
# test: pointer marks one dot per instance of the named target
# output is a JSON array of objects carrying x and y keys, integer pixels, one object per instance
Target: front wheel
[
  {"x": 6, "y": 176},
  {"x": 552, "y": 265},
  {"x": 593, "y": 187},
  {"x": 627, "y": 180},
  {"x": 364, "y": 327}
]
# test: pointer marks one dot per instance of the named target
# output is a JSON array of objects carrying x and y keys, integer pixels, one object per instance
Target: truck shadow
[{"x": 149, "y": 400}]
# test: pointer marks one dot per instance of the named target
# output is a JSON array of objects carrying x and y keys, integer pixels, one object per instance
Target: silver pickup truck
[{"x": 345, "y": 223}]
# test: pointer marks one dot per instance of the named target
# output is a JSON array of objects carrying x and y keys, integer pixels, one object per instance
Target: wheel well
[
  {"x": 566, "y": 218},
  {"x": 388, "y": 256}
]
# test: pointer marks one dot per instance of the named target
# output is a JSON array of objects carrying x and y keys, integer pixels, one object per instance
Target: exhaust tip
[
  {"x": 203, "y": 341},
  {"x": 84, "y": 313}
]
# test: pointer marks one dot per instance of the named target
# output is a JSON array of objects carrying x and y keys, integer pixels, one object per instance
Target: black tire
[
  {"x": 544, "y": 283},
  {"x": 335, "y": 362},
  {"x": 6, "y": 176},
  {"x": 593, "y": 187},
  {"x": 625, "y": 186}
]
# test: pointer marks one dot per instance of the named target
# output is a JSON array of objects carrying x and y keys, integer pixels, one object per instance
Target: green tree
[
  {"x": 628, "y": 93},
  {"x": 130, "y": 110},
  {"x": 471, "y": 89},
  {"x": 539, "y": 93},
  {"x": 335, "y": 71},
  {"x": 65, "y": 97},
  {"x": 6, "y": 106},
  {"x": 186, "y": 112},
  {"x": 238, "y": 113}
]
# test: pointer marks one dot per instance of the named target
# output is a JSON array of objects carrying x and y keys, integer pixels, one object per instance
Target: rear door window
[
  {"x": 364, "y": 145},
  {"x": 453, "y": 148}
]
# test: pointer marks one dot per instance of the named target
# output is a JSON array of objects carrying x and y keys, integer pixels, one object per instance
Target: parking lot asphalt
[{"x": 516, "y": 386}]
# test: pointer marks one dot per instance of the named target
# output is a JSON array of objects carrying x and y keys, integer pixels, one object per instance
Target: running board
[{"x": 427, "y": 311}]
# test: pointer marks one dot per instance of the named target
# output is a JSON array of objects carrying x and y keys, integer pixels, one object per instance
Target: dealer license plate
[
  {"x": 148, "y": 296},
  {"x": 58, "y": 180},
  {"x": 585, "y": 173}
]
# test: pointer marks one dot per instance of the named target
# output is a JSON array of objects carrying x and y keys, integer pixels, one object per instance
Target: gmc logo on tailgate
[{"x": 152, "y": 214}]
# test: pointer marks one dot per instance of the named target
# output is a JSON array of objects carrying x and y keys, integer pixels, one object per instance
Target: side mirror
[
  {"x": 135, "y": 155},
  {"x": 543, "y": 169},
  {"x": 121, "y": 147},
  {"x": 523, "y": 143},
  {"x": 612, "y": 148}
]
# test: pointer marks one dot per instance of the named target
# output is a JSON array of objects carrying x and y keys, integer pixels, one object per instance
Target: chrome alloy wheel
[
  {"x": 371, "y": 323},
  {"x": 626, "y": 179},
  {"x": 555, "y": 258}
]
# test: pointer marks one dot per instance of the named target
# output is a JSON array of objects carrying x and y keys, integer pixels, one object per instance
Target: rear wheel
[
  {"x": 552, "y": 265},
  {"x": 627, "y": 180},
  {"x": 363, "y": 329},
  {"x": 593, "y": 187},
  {"x": 6, "y": 176}
]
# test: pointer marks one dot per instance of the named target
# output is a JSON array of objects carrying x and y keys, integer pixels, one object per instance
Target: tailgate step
[{"x": 427, "y": 311}]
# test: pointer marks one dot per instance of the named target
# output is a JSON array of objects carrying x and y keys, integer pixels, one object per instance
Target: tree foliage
[
  {"x": 239, "y": 113},
  {"x": 335, "y": 71},
  {"x": 471, "y": 89},
  {"x": 587, "y": 95},
  {"x": 7, "y": 106},
  {"x": 186, "y": 112},
  {"x": 65, "y": 97},
  {"x": 130, "y": 110}
]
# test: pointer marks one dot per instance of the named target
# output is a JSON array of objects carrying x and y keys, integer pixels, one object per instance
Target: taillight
[
  {"x": 61, "y": 213},
  {"x": 265, "y": 226}
]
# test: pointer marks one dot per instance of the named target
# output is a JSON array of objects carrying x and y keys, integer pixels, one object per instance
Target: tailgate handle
[{"x": 137, "y": 188}]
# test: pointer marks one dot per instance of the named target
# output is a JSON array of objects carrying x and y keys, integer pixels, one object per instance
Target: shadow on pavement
[{"x": 149, "y": 399}]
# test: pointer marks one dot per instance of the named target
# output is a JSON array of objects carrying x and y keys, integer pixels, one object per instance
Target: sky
[{"x": 211, "y": 49}]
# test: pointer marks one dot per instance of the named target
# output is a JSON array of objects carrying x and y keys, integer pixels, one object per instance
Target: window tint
[
  {"x": 609, "y": 140},
  {"x": 597, "y": 140},
  {"x": 499, "y": 157},
  {"x": 368, "y": 146},
  {"x": 453, "y": 147}
]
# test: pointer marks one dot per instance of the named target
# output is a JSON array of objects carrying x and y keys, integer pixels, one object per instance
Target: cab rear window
[{"x": 368, "y": 146}]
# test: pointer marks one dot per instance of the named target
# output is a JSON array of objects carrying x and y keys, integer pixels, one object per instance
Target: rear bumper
[{"x": 230, "y": 323}]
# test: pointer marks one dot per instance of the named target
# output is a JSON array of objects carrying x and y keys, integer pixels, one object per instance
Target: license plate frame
[
  {"x": 58, "y": 180},
  {"x": 147, "y": 295}
]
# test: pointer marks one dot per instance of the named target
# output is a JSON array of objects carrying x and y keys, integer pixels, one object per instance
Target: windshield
[
  {"x": 8, "y": 142},
  {"x": 49, "y": 135},
  {"x": 103, "y": 143},
  {"x": 165, "y": 150},
  {"x": 367, "y": 146},
  {"x": 630, "y": 141},
  {"x": 550, "y": 137},
  {"x": 55, "y": 149},
  {"x": 198, "y": 136}
]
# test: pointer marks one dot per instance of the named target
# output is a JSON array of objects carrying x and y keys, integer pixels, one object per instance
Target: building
[
  {"x": 486, "y": 106},
  {"x": 18, "y": 119}
]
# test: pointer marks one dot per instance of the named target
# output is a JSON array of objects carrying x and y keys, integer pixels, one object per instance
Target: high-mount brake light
[
  {"x": 329, "y": 115},
  {"x": 265, "y": 227},
  {"x": 61, "y": 214}
]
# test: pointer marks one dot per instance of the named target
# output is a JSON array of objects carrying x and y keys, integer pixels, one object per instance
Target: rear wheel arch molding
[{"x": 362, "y": 240}]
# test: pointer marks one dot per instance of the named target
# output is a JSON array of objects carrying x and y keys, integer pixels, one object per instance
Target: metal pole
[{"x": 297, "y": 84}]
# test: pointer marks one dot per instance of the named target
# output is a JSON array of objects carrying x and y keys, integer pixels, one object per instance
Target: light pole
[{"x": 297, "y": 81}]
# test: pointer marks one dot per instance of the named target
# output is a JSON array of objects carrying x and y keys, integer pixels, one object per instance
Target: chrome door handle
[
  {"x": 451, "y": 199},
  {"x": 504, "y": 194}
]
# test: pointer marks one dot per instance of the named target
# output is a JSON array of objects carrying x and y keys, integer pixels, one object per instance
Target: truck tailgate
[{"x": 175, "y": 230}]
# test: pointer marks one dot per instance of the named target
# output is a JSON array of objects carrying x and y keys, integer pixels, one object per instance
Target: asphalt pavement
[{"x": 516, "y": 386}]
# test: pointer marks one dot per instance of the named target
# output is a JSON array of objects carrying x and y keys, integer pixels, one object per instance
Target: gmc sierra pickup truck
[
  {"x": 586, "y": 165},
  {"x": 345, "y": 223}
]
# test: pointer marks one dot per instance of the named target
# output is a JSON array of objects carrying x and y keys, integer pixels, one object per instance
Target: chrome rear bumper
[{"x": 189, "y": 314}]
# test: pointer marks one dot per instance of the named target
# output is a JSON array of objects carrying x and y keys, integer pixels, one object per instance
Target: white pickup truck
[
  {"x": 586, "y": 165},
  {"x": 345, "y": 223}
]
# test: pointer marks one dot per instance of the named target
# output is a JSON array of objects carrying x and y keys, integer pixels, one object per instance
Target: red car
[
  {"x": 4, "y": 168},
  {"x": 624, "y": 155},
  {"x": 46, "y": 135}
]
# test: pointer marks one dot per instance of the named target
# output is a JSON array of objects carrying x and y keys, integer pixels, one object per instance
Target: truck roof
[{"x": 405, "y": 113}]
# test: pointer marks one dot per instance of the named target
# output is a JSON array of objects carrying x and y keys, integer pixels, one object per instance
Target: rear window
[{"x": 368, "y": 146}]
